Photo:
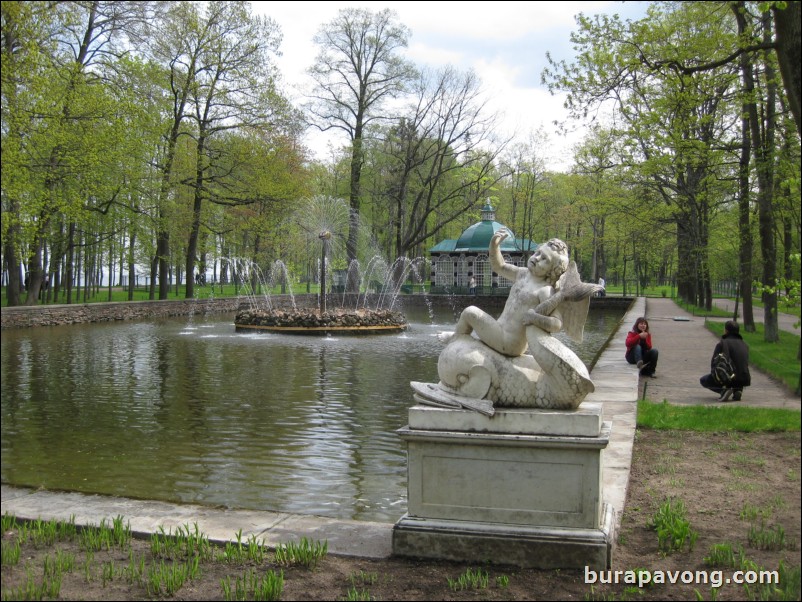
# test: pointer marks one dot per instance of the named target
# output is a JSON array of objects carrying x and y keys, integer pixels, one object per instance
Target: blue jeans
[{"x": 649, "y": 357}]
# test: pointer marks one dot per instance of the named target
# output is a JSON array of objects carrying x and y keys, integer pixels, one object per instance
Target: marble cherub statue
[{"x": 513, "y": 360}]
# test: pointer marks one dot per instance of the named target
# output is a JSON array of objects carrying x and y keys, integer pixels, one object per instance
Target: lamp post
[{"x": 325, "y": 236}]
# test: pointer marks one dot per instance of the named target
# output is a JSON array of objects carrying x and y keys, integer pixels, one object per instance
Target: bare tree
[
  {"x": 525, "y": 162},
  {"x": 442, "y": 156},
  {"x": 357, "y": 69}
]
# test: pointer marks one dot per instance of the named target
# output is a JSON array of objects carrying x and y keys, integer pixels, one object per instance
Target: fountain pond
[{"x": 195, "y": 412}]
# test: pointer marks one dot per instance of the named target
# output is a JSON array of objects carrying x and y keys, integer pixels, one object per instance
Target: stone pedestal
[{"x": 523, "y": 487}]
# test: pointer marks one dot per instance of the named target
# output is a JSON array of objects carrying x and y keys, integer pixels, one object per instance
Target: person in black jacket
[{"x": 734, "y": 347}]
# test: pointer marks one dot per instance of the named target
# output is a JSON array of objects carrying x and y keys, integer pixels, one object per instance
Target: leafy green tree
[
  {"x": 595, "y": 159},
  {"x": 140, "y": 86},
  {"x": 234, "y": 90},
  {"x": 27, "y": 44},
  {"x": 67, "y": 153},
  {"x": 673, "y": 124},
  {"x": 760, "y": 110},
  {"x": 180, "y": 38}
]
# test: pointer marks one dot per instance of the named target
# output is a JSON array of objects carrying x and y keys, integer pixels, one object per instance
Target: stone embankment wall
[{"x": 56, "y": 315}]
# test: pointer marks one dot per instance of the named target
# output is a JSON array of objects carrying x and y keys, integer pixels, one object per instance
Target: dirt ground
[{"x": 727, "y": 481}]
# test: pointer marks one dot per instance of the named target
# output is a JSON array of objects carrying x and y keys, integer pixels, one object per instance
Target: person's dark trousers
[
  {"x": 708, "y": 382},
  {"x": 649, "y": 359}
]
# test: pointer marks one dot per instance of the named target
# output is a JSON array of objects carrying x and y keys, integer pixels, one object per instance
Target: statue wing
[
  {"x": 575, "y": 301},
  {"x": 575, "y": 314}
]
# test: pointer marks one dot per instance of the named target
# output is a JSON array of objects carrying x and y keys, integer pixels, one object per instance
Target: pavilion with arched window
[{"x": 454, "y": 262}]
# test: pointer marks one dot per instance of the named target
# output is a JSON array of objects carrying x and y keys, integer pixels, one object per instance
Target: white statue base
[{"x": 523, "y": 487}]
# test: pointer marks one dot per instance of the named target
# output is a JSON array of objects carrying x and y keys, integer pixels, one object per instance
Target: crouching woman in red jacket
[{"x": 639, "y": 348}]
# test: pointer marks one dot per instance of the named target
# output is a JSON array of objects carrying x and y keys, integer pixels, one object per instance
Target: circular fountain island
[
  {"x": 341, "y": 321},
  {"x": 328, "y": 220}
]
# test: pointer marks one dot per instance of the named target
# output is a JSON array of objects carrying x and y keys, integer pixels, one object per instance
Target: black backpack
[{"x": 722, "y": 370}]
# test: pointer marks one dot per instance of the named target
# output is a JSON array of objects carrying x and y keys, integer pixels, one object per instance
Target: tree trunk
[
  {"x": 131, "y": 267},
  {"x": 744, "y": 227},
  {"x": 789, "y": 54},
  {"x": 163, "y": 257},
  {"x": 69, "y": 275},
  {"x": 745, "y": 233},
  {"x": 192, "y": 245},
  {"x": 687, "y": 267},
  {"x": 13, "y": 268},
  {"x": 352, "y": 285},
  {"x": 154, "y": 269},
  {"x": 763, "y": 143}
]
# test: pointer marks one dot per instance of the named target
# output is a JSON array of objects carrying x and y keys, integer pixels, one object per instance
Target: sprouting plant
[
  {"x": 355, "y": 595},
  {"x": 673, "y": 529},
  {"x": 8, "y": 522},
  {"x": 107, "y": 572},
  {"x": 256, "y": 551},
  {"x": 470, "y": 579},
  {"x": 748, "y": 460},
  {"x": 135, "y": 571},
  {"x": 594, "y": 596},
  {"x": 251, "y": 586},
  {"x": 778, "y": 502},
  {"x": 363, "y": 578},
  {"x": 786, "y": 587},
  {"x": 666, "y": 465},
  {"x": 700, "y": 597},
  {"x": 235, "y": 551},
  {"x": 639, "y": 572},
  {"x": 165, "y": 580},
  {"x": 43, "y": 533},
  {"x": 305, "y": 552},
  {"x": 105, "y": 537},
  {"x": 269, "y": 587},
  {"x": 764, "y": 538},
  {"x": 120, "y": 532},
  {"x": 721, "y": 554},
  {"x": 87, "y": 565},
  {"x": 11, "y": 552},
  {"x": 749, "y": 512}
]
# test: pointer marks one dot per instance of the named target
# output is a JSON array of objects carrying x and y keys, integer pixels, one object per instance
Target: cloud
[{"x": 505, "y": 43}]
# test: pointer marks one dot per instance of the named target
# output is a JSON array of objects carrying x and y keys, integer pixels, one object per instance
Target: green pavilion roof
[{"x": 476, "y": 238}]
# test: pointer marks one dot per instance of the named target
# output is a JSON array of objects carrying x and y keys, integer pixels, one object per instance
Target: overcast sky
[{"x": 505, "y": 43}]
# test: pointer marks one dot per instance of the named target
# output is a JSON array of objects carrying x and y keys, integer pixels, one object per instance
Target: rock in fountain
[{"x": 310, "y": 321}]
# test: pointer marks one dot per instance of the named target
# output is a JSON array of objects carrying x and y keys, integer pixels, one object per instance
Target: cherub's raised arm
[{"x": 507, "y": 270}]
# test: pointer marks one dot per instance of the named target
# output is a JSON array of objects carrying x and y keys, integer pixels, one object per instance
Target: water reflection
[{"x": 195, "y": 412}]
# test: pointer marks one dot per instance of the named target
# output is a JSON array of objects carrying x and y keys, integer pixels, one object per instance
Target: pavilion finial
[{"x": 488, "y": 213}]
